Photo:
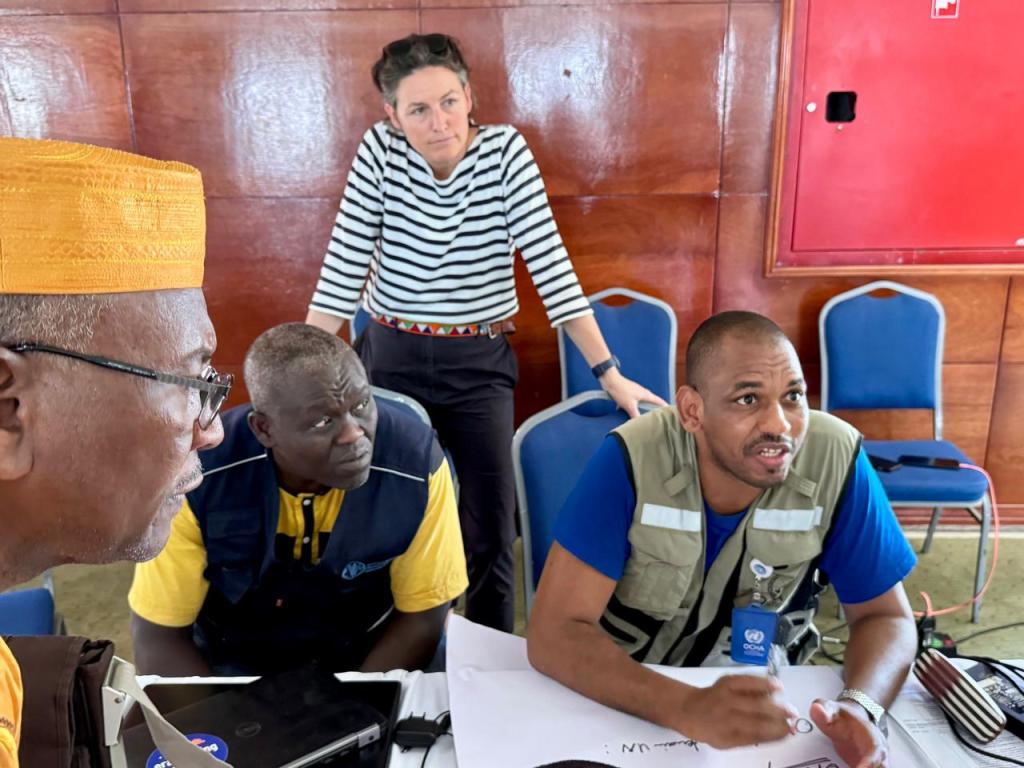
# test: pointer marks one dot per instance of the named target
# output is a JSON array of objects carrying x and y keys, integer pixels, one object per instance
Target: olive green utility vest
[{"x": 664, "y": 609}]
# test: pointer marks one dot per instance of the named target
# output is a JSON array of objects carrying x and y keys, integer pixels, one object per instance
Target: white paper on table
[{"x": 506, "y": 715}]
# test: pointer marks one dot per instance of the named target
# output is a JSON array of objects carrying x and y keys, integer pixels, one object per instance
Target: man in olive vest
[
  {"x": 326, "y": 528},
  {"x": 686, "y": 516}
]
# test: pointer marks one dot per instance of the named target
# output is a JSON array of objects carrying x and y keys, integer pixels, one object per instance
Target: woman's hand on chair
[{"x": 626, "y": 393}]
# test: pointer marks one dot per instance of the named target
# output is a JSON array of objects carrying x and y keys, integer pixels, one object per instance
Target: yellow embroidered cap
[{"x": 75, "y": 219}]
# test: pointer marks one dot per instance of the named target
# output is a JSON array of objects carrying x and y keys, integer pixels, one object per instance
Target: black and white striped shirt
[{"x": 442, "y": 251}]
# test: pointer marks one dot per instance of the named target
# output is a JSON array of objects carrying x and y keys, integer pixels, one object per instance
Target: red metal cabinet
[{"x": 930, "y": 169}]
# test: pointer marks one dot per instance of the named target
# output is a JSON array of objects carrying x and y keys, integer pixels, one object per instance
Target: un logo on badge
[{"x": 754, "y": 636}]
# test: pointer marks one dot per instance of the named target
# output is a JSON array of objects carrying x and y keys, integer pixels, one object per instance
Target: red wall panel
[
  {"x": 923, "y": 165},
  {"x": 925, "y": 173}
]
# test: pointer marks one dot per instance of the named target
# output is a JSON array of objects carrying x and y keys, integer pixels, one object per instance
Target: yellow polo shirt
[
  {"x": 10, "y": 707},
  {"x": 170, "y": 589}
]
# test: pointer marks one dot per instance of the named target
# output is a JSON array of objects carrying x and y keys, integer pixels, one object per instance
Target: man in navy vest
[{"x": 326, "y": 528}]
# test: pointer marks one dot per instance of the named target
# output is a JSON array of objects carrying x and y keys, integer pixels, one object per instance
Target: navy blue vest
[{"x": 265, "y": 613}]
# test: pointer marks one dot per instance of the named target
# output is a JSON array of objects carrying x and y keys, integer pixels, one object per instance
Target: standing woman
[{"x": 432, "y": 214}]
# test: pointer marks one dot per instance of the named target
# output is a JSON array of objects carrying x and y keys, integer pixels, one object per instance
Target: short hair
[
  {"x": 60, "y": 320},
  {"x": 710, "y": 335},
  {"x": 287, "y": 348},
  {"x": 400, "y": 58}
]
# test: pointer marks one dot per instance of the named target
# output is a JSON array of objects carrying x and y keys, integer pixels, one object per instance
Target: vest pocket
[
  {"x": 234, "y": 535},
  {"x": 232, "y": 581},
  {"x": 784, "y": 547},
  {"x": 234, "y": 551},
  {"x": 659, "y": 570}
]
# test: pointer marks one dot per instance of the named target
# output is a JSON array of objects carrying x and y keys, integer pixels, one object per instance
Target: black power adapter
[
  {"x": 929, "y": 637},
  {"x": 1003, "y": 690},
  {"x": 417, "y": 732}
]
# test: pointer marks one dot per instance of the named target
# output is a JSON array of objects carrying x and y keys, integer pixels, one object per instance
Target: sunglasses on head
[{"x": 436, "y": 43}]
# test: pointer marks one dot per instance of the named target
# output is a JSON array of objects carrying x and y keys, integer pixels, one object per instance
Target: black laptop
[{"x": 301, "y": 718}]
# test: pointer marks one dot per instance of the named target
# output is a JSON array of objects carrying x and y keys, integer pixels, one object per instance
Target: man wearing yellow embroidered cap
[{"x": 106, "y": 391}]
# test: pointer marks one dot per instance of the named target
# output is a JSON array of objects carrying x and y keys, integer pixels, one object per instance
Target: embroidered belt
[{"x": 438, "y": 329}]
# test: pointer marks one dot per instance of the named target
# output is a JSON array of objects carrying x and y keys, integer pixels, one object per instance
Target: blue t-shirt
[{"x": 866, "y": 555}]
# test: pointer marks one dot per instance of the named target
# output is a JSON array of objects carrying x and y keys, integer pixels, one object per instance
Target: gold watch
[{"x": 876, "y": 712}]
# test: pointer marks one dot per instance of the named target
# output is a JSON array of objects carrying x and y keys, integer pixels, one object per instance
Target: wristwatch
[
  {"x": 601, "y": 369},
  {"x": 876, "y": 712}
]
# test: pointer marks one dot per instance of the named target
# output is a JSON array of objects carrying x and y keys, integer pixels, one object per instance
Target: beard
[{"x": 740, "y": 471}]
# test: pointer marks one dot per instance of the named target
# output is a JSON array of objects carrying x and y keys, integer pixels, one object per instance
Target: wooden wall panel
[
  {"x": 263, "y": 260},
  {"x": 12, "y": 7},
  {"x": 967, "y": 392},
  {"x": 740, "y": 284},
  {"x": 263, "y": 104},
  {"x": 621, "y": 100},
  {"x": 974, "y": 306},
  {"x": 662, "y": 245},
  {"x": 61, "y": 77},
  {"x": 193, "y": 6},
  {"x": 521, "y": 3},
  {"x": 752, "y": 51},
  {"x": 968, "y": 388},
  {"x": 1006, "y": 448},
  {"x": 1013, "y": 334}
]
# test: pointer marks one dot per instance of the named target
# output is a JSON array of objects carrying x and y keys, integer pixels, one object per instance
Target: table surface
[{"x": 426, "y": 694}]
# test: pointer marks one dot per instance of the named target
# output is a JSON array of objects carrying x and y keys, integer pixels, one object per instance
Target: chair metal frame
[
  {"x": 984, "y": 518},
  {"x": 634, "y": 296},
  {"x": 417, "y": 407},
  {"x": 408, "y": 402}
]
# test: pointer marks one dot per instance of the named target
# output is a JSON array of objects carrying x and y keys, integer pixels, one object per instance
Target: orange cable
[{"x": 928, "y": 611}]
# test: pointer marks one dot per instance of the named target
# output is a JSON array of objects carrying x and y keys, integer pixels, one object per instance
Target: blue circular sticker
[{"x": 212, "y": 744}]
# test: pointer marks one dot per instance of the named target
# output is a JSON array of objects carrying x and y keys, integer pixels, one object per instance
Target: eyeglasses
[
  {"x": 437, "y": 44},
  {"x": 213, "y": 387}
]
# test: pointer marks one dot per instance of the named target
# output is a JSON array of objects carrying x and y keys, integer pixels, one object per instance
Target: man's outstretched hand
[{"x": 857, "y": 740}]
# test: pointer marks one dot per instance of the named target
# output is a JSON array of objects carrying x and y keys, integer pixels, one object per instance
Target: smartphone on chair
[{"x": 934, "y": 462}]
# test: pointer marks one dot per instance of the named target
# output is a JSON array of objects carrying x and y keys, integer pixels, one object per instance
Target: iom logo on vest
[
  {"x": 210, "y": 744},
  {"x": 355, "y": 569}
]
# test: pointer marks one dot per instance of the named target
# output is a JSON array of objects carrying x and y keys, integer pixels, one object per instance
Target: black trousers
[{"x": 466, "y": 386}]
